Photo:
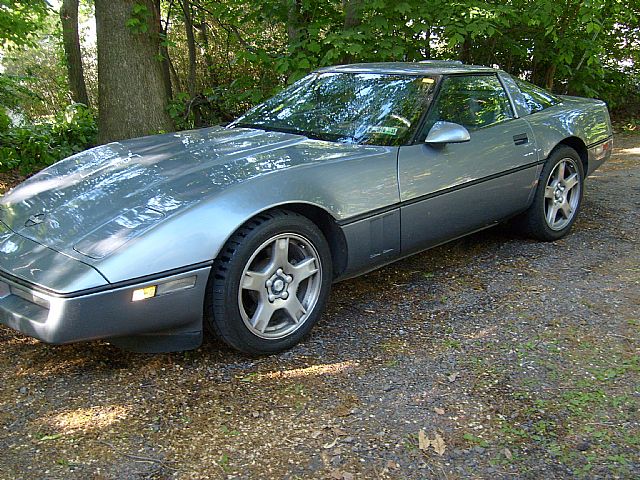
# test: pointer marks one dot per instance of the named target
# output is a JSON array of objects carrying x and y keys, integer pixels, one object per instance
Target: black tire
[
  {"x": 535, "y": 221},
  {"x": 228, "y": 307}
]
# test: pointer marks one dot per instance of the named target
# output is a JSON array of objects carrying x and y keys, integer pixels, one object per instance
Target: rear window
[{"x": 535, "y": 97}]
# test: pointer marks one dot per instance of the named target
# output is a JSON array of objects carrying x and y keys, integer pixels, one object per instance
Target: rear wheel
[
  {"x": 270, "y": 283},
  {"x": 558, "y": 196}
]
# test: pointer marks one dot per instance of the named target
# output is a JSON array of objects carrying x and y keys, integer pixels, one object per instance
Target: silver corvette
[{"x": 243, "y": 228}]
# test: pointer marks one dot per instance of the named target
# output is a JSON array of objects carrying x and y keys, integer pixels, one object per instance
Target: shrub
[{"x": 29, "y": 148}]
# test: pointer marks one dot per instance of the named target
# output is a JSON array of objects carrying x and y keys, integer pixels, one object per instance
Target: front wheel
[
  {"x": 558, "y": 196},
  {"x": 270, "y": 283}
]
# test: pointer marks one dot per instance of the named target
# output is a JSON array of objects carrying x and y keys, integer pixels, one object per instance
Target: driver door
[{"x": 448, "y": 190}]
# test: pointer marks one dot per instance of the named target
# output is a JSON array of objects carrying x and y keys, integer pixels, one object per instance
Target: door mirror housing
[{"x": 447, "y": 132}]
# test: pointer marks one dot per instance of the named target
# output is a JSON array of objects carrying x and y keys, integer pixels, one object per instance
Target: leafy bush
[
  {"x": 30, "y": 148},
  {"x": 216, "y": 105},
  {"x": 14, "y": 94}
]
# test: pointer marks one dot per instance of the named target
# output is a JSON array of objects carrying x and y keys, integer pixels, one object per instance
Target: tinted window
[
  {"x": 536, "y": 98},
  {"x": 364, "y": 108},
  {"x": 472, "y": 101}
]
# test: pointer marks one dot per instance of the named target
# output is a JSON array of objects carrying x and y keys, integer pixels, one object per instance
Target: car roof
[{"x": 426, "y": 67}]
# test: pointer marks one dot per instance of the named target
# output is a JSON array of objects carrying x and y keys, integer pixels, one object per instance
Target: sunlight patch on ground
[
  {"x": 313, "y": 371},
  {"x": 87, "y": 419},
  {"x": 630, "y": 151}
]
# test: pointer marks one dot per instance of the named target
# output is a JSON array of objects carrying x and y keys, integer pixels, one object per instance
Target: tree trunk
[
  {"x": 191, "y": 47},
  {"x": 465, "y": 51},
  {"x": 166, "y": 72},
  {"x": 352, "y": 13},
  {"x": 208, "y": 60},
  {"x": 131, "y": 90},
  {"x": 297, "y": 21},
  {"x": 175, "y": 79},
  {"x": 164, "y": 52},
  {"x": 548, "y": 76},
  {"x": 352, "y": 19},
  {"x": 73, "y": 56}
]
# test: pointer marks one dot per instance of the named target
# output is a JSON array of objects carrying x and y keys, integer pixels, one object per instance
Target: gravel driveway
[{"x": 490, "y": 357}]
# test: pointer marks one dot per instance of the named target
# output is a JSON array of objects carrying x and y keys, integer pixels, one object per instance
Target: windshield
[{"x": 362, "y": 108}]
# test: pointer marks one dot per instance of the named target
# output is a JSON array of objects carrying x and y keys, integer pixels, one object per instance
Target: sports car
[{"x": 243, "y": 228}]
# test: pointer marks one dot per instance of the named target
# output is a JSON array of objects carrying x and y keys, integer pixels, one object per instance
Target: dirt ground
[{"x": 490, "y": 357}]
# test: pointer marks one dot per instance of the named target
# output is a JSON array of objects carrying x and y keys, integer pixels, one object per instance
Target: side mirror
[{"x": 447, "y": 132}]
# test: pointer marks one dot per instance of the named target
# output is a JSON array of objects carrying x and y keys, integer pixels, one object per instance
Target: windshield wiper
[
  {"x": 330, "y": 137},
  {"x": 270, "y": 128},
  {"x": 247, "y": 125}
]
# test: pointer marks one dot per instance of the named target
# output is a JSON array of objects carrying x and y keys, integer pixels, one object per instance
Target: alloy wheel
[
  {"x": 280, "y": 285},
  {"x": 562, "y": 194}
]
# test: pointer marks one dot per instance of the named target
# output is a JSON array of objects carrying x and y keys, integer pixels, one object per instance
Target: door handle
[{"x": 520, "y": 139}]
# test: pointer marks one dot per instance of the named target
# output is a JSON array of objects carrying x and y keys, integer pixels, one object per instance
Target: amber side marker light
[
  {"x": 143, "y": 293},
  {"x": 163, "y": 288}
]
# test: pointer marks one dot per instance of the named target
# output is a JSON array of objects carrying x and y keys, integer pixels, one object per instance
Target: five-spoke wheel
[
  {"x": 562, "y": 194},
  {"x": 558, "y": 197},
  {"x": 270, "y": 283},
  {"x": 280, "y": 285}
]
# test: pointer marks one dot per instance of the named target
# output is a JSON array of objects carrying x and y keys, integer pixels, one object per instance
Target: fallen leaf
[
  {"x": 508, "y": 454},
  {"x": 423, "y": 441},
  {"x": 330, "y": 445},
  {"x": 439, "y": 411},
  {"x": 50, "y": 437},
  {"x": 316, "y": 434},
  {"x": 438, "y": 444},
  {"x": 453, "y": 376},
  {"x": 391, "y": 465}
]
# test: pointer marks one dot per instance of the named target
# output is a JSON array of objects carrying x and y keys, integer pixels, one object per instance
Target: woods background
[{"x": 77, "y": 73}]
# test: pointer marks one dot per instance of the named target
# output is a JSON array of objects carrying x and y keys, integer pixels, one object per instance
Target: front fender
[{"x": 344, "y": 188}]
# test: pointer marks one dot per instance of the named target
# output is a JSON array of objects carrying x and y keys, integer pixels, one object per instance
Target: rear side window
[
  {"x": 474, "y": 101},
  {"x": 536, "y": 98}
]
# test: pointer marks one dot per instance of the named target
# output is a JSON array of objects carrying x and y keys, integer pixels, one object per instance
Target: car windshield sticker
[{"x": 383, "y": 130}]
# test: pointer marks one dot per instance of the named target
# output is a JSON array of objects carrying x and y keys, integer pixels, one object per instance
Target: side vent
[{"x": 383, "y": 234}]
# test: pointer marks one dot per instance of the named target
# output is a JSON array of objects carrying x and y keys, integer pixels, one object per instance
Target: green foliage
[
  {"x": 247, "y": 51},
  {"x": 38, "y": 75},
  {"x": 473, "y": 440},
  {"x": 179, "y": 112},
  {"x": 139, "y": 20},
  {"x": 32, "y": 147},
  {"x": 572, "y": 47},
  {"x": 20, "y": 20},
  {"x": 13, "y": 94}
]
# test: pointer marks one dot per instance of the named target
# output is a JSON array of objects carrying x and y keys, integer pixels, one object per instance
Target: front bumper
[{"x": 166, "y": 322}]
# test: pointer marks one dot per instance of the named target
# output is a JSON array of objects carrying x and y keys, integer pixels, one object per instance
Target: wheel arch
[
  {"x": 581, "y": 149},
  {"x": 322, "y": 219},
  {"x": 327, "y": 225}
]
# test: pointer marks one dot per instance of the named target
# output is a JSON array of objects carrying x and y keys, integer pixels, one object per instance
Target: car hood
[{"x": 94, "y": 202}]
